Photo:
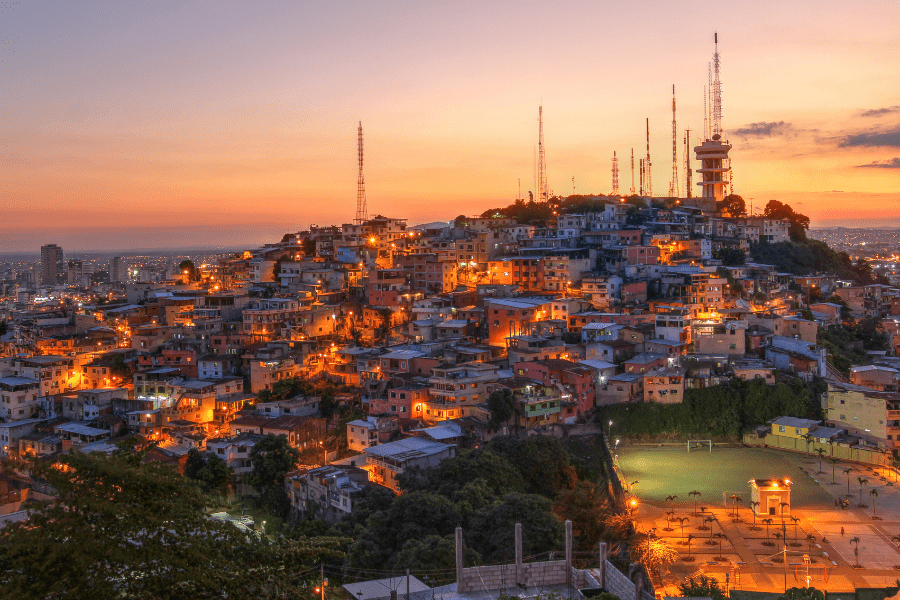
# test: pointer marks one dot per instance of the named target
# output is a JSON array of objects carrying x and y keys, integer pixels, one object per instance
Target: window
[{"x": 781, "y": 429}]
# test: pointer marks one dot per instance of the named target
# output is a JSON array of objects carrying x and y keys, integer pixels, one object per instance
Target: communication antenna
[
  {"x": 687, "y": 160},
  {"x": 716, "y": 92},
  {"x": 543, "y": 195},
  {"x": 615, "y": 175},
  {"x": 362, "y": 211},
  {"x": 648, "y": 183},
  {"x": 673, "y": 184},
  {"x": 632, "y": 171}
]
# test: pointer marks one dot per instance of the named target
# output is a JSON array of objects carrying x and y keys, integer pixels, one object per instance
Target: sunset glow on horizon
[{"x": 238, "y": 119}]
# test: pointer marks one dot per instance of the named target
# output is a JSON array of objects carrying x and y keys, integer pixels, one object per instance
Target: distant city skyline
[{"x": 142, "y": 124}]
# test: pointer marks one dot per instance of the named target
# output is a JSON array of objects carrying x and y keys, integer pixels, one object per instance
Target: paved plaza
[{"x": 729, "y": 541}]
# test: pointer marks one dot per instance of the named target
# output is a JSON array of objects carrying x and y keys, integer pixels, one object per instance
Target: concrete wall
[
  {"x": 839, "y": 451},
  {"x": 499, "y": 577}
]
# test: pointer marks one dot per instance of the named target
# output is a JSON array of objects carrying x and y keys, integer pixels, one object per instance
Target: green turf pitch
[{"x": 661, "y": 472}]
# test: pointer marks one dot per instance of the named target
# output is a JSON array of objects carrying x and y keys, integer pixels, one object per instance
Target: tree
[
  {"x": 798, "y": 223},
  {"x": 874, "y": 493},
  {"x": 502, "y": 406},
  {"x": 434, "y": 552},
  {"x": 634, "y": 217},
  {"x": 766, "y": 522},
  {"x": 586, "y": 505},
  {"x": 862, "y": 483},
  {"x": 655, "y": 554},
  {"x": 187, "y": 268},
  {"x": 491, "y": 530},
  {"x": 856, "y": 549},
  {"x": 213, "y": 472},
  {"x": 730, "y": 256},
  {"x": 696, "y": 495},
  {"x": 309, "y": 247},
  {"x": 734, "y": 205},
  {"x": 847, "y": 472},
  {"x": 121, "y": 528},
  {"x": 702, "y": 586},
  {"x": 272, "y": 457},
  {"x": 541, "y": 460},
  {"x": 821, "y": 452},
  {"x": 4, "y": 327},
  {"x": 796, "y": 593}
]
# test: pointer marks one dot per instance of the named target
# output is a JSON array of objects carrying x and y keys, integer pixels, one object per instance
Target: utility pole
[
  {"x": 783, "y": 562},
  {"x": 322, "y": 574}
]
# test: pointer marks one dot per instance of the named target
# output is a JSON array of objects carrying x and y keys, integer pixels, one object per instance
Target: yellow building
[{"x": 770, "y": 497}]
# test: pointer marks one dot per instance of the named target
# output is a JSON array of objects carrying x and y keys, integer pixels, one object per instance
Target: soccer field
[{"x": 665, "y": 471}]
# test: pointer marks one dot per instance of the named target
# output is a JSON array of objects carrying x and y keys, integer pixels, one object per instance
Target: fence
[{"x": 838, "y": 451}]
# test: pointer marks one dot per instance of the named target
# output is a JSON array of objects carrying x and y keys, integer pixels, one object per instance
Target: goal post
[{"x": 700, "y": 444}]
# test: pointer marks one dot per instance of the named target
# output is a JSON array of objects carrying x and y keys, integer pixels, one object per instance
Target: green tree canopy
[
  {"x": 734, "y": 205},
  {"x": 491, "y": 530},
  {"x": 799, "y": 223},
  {"x": 212, "y": 472},
  {"x": 542, "y": 462},
  {"x": 123, "y": 529},
  {"x": 272, "y": 457},
  {"x": 188, "y": 265}
]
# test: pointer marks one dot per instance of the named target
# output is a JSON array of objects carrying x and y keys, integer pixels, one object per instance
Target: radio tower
[
  {"x": 632, "y": 171},
  {"x": 615, "y": 175},
  {"x": 362, "y": 212},
  {"x": 673, "y": 185},
  {"x": 712, "y": 153},
  {"x": 687, "y": 160},
  {"x": 716, "y": 93},
  {"x": 543, "y": 195},
  {"x": 648, "y": 183}
]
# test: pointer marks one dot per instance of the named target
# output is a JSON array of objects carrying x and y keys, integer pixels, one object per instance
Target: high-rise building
[
  {"x": 52, "y": 266},
  {"x": 117, "y": 269}
]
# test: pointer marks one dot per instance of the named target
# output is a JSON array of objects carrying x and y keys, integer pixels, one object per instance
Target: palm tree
[
  {"x": 874, "y": 493},
  {"x": 695, "y": 494},
  {"x": 847, "y": 472},
  {"x": 830, "y": 442},
  {"x": 710, "y": 520},
  {"x": 734, "y": 499},
  {"x": 767, "y": 522},
  {"x": 720, "y": 536},
  {"x": 834, "y": 462},
  {"x": 671, "y": 500},
  {"x": 821, "y": 453},
  {"x": 754, "y": 505},
  {"x": 795, "y": 520},
  {"x": 681, "y": 521},
  {"x": 808, "y": 439},
  {"x": 737, "y": 500},
  {"x": 783, "y": 504},
  {"x": 689, "y": 538},
  {"x": 856, "y": 550},
  {"x": 862, "y": 482},
  {"x": 669, "y": 516}
]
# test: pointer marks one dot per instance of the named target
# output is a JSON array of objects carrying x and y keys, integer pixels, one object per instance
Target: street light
[{"x": 609, "y": 434}]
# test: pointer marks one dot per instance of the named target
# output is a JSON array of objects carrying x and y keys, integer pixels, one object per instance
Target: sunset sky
[{"x": 150, "y": 123}]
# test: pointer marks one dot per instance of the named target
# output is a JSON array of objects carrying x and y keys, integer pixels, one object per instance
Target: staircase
[{"x": 832, "y": 374}]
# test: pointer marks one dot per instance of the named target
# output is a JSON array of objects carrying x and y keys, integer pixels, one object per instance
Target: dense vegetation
[
  {"x": 535, "y": 481},
  {"x": 125, "y": 528},
  {"x": 721, "y": 411},
  {"x": 847, "y": 344}
]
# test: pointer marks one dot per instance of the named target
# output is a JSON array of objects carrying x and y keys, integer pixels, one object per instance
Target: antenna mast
[
  {"x": 673, "y": 185},
  {"x": 687, "y": 160},
  {"x": 648, "y": 184},
  {"x": 543, "y": 195},
  {"x": 362, "y": 211},
  {"x": 615, "y": 175},
  {"x": 632, "y": 171},
  {"x": 716, "y": 93}
]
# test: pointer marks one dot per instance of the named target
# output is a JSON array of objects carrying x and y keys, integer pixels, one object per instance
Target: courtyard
[{"x": 715, "y": 532}]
